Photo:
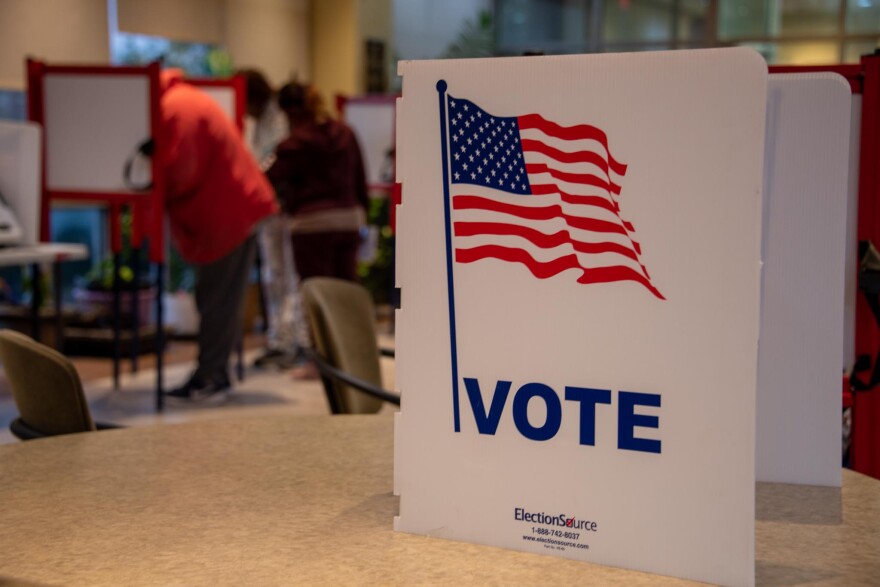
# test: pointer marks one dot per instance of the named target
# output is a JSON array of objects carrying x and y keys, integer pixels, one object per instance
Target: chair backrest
[
  {"x": 343, "y": 325},
  {"x": 45, "y": 385}
]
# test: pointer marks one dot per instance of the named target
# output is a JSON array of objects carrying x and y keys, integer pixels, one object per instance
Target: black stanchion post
[
  {"x": 239, "y": 365},
  {"x": 59, "y": 321}
]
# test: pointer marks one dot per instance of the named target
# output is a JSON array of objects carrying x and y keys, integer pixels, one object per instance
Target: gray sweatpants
[{"x": 220, "y": 289}]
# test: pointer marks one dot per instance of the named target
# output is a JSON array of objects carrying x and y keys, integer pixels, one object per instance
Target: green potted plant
[{"x": 94, "y": 292}]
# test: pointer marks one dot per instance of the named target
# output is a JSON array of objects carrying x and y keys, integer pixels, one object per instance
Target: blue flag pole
[{"x": 441, "y": 90}]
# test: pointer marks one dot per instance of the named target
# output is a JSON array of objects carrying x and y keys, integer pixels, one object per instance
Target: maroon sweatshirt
[{"x": 319, "y": 167}]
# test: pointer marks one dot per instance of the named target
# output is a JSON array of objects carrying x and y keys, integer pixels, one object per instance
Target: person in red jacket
[{"x": 215, "y": 197}]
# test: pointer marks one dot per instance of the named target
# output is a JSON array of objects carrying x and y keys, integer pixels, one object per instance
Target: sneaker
[
  {"x": 199, "y": 388},
  {"x": 275, "y": 358},
  {"x": 300, "y": 357}
]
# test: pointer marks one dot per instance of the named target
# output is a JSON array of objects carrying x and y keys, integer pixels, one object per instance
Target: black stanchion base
[{"x": 99, "y": 342}]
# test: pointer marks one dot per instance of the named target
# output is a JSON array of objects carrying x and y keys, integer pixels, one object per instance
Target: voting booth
[
  {"x": 806, "y": 255},
  {"x": 587, "y": 345},
  {"x": 861, "y": 318},
  {"x": 20, "y": 188},
  {"x": 373, "y": 121},
  {"x": 103, "y": 144},
  {"x": 20, "y": 165},
  {"x": 229, "y": 93},
  {"x": 114, "y": 111}
]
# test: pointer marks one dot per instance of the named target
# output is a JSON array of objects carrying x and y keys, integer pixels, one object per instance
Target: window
[
  {"x": 550, "y": 26},
  {"x": 12, "y": 105},
  {"x": 196, "y": 59},
  {"x": 784, "y": 31},
  {"x": 863, "y": 16},
  {"x": 637, "y": 20}
]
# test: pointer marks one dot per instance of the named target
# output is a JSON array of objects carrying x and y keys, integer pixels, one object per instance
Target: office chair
[
  {"x": 343, "y": 325},
  {"x": 46, "y": 388}
]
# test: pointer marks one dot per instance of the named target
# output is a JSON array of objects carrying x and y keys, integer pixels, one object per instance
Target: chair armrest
[{"x": 329, "y": 370}]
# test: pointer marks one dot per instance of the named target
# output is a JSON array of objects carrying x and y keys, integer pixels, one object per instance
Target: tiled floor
[{"x": 133, "y": 404}]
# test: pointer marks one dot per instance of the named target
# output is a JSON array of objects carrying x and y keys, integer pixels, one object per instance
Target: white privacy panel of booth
[
  {"x": 96, "y": 123},
  {"x": 20, "y": 175},
  {"x": 224, "y": 96},
  {"x": 373, "y": 123},
  {"x": 804, "y": 251}
]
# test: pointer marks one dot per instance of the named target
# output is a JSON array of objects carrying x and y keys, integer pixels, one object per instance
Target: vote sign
[{"x": 579, "y": 261}]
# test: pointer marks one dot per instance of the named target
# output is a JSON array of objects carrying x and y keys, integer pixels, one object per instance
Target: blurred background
[{"x": 350, "y": 48}]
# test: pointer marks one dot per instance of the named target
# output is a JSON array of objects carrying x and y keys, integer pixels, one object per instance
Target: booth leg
[
  {"x": 160, "y": 337},
  {"x": 117, "y": 318},
  {"x": 135, "y": 310}
]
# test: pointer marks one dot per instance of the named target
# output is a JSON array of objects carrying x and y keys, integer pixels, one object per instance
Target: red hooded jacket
[{"x": 216, "y": 192}]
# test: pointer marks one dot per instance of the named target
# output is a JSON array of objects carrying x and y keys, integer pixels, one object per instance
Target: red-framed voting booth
[
  {"x": 96, "y": 121},
  {"x": 864, "y": 79},
  {"x": 51, "y": 88},
  {"x": 374, "y": 121},
  {"x": 229, "y": 93}
]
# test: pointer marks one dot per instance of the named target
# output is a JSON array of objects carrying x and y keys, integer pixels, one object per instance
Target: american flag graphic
[{"x": 527, "y": 190}]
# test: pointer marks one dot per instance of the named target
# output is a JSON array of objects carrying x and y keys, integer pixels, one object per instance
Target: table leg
[
  {"x": 59, "y": 322},
  {"x": 239, "y": 364}
]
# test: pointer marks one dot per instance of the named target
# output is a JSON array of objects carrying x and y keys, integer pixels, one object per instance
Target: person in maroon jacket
[
  {"x": 215, "y": 196},
  {"x": 319, "y": 177}
]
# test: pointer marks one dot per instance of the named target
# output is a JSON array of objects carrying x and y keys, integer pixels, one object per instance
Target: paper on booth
[{"x": 578, "y": 253}]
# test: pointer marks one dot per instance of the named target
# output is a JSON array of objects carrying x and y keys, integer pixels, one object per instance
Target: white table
[
  {"x": 36, "y": 255},
  {"x": 307, "y": 501},
  {"x": 42, "y": 253}
]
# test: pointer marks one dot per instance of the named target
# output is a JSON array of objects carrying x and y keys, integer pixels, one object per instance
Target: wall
[
  {"x": 53, "y": 30},
  {"x": 318, "y": 40},
  {"x": 340, "y": 29},
  {"x": 376, "y": 24},
  {"x": 335, "y": 48},
  {"x": 179, "y": 20},
  {"x": 271, "y": 35}
]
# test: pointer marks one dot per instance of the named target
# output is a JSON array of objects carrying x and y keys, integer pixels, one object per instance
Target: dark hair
[
  {"x": 259, "y": 92},
  {"x": 292, "y": 96},
  {"x": 301, "y": 99}
]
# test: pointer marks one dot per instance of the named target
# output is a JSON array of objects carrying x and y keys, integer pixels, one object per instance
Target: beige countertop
[{"x": 307, "y": 501}]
